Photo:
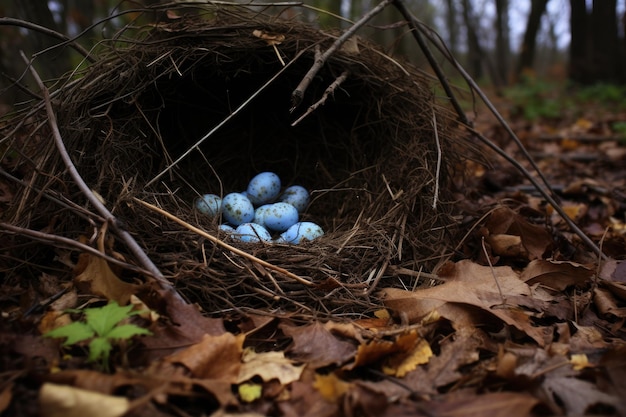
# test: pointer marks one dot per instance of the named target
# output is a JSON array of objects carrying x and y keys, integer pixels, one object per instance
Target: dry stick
[
  {"x": 439, "y": 157},
  {"x": 134, "y": 247},
  {"x": 225, "y": 120},
  {"x": 493, "y": 272},
  {"x": 9, "y": 21},
  {"x": 298, "y": 93},
  {"x": 330, "y": 90},
  {"x": 224, "y": 244},
  {"x": 60, "y": 240},
  {"x": 550, "y": 197}
]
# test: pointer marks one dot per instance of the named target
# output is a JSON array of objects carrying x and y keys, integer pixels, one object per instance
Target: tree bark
[
  {"x": 527, "y": 54},
  {"x": 502, "y": 40}
]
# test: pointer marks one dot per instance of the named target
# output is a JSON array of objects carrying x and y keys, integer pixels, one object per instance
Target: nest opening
[{"x": 369, "y": 155}]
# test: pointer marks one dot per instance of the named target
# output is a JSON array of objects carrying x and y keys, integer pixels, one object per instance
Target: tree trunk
[
  {"x": 595, "y": 55},
  {"x": 527, "y": 54},
  {"x": 502, "y": 40},
  {"x": 452, "y": 27},
  {"x": 474, "y": 55}
]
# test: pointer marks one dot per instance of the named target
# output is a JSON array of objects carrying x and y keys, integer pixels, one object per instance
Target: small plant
[{"x": 102, "y": 325}]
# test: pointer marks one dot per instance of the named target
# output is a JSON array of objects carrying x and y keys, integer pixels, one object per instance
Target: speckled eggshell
[
  {"x": 297, "y": 196},
  {"x": 237, "y": 209},
  {"x": 299, "y": 232},
  {"x": 252, "y": 232},
  {"x": 261, "y": 213},
  {"x": 264, "y": 188},
  {"x": 280, "y": 217},
  {"x": 209, "y": 204}
]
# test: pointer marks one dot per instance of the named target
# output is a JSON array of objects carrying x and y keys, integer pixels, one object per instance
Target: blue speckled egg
[
  {"x": 264, "y": 188},
  {"x": 209, "y": 204},
  {"x": 297, "y": 196},
  {"x": 252, "y": 232},
  {"x": 300, "y": 232},
  {"x": 261, "y": 213},
  {"x": 237, "y": 209},
  {"x": 280, "y": 216}
]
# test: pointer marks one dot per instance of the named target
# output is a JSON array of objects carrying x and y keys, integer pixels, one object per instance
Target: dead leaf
[
  {"x": 379, "y": 349},
  {"x": 576, "y": 395},
  {"x": 499, "y": 404},
  {"x": 469, "y": 284},
  {"x": 270, "y": 38},
  {"x": 317, "y": 346},
  {"x": 331, "y": 387},
  {"x": 399, "y": 365},
  {"x": 65, "y": 401},
  {"x": 6, "y": 395},
  {"x": 93, "y": 275},
  {"x": 534, "y": 239},
  {"x": 557, "y": 275},
  {"x": 268, "y": 366},
  {"x": 214, "y": 357}
]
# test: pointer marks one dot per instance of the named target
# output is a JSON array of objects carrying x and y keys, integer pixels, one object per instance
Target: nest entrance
[{"x": 369, "y": 155}]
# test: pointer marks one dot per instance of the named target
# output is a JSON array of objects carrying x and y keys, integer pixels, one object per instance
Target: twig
[
  {"x": 438, "y": 171},
  {"x": 47, "y": 237},
  {"x": 9, "y": 21},
  {"x": 330, "y": 90},
  {"x": 493, "y": 272},
  {"x": 225, "y": 120},
  {"x": 134, "y": 247},
  {"x": 298, "y": 93},
  {"x": 224, "y": 244}
]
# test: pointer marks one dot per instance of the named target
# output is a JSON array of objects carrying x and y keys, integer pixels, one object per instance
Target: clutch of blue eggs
[{"x": 262, "y": 212}]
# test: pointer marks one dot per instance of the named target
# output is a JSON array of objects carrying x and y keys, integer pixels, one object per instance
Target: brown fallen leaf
[
  {"x": 577, "y": 396},
  {"x": 469, "y": 284},
  {"x": 497, "y": 404},
  {"x": 557, "y": 275},
  {"x": 270, "y": 38},
  {"x": 535, "y": 240},
  {"x": 379, "y": 349},
  {"x": 317, "y": 346},
  {"x": 93, "y": 275},
  {"x": 214, "y": 357}
]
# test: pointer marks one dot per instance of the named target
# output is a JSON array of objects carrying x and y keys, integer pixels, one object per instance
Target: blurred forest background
[{"x": 500, "y": 42}]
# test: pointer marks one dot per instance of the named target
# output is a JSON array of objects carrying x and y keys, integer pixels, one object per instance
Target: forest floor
[{"x": 529, "y": 323}]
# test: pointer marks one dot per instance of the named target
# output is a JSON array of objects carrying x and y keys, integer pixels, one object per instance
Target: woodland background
[{"x": 500, "y": 42}]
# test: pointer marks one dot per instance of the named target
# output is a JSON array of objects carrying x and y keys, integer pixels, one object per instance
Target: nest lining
[{"x": 368, "y": 154}]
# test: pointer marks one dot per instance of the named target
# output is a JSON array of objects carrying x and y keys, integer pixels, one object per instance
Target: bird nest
[{"x": 201, "y": 104}]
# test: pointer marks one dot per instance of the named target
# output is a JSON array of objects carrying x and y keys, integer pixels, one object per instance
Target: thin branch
[
  {"x": 439, "y": 157},
  {"x": 9, "y": 21},
  {"x": 298, "y": 94},
  {"x": 134, "y": 247},
  {"x": 330, "y": 90},
  {"x": 225, "y": 120},
  {"x": 70, "y": 243},
  {"x": 224, "y": 244}
]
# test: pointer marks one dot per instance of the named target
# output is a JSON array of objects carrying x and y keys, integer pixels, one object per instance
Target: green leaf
[
  {"x": 99, "y": 348},
  {"x": 104, "y": 319},
  {"x": 126, "y": 331},
  {"x": 74, "y": 332}
]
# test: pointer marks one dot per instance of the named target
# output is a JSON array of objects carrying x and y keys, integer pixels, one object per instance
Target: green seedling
[{"x": 103, "y": 325}]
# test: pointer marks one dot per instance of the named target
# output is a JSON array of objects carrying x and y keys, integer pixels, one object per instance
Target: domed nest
[{"x": 200, "y": 104}]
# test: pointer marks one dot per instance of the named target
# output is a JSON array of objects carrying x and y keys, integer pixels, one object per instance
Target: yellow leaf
[
  {"x": 399, "y": 366},
  {"x": 579, "y": 361},
  {"x": 382, "y": 313},
  {"x": 331, "y": 387},
  {"x": 249, "y": 392}
]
